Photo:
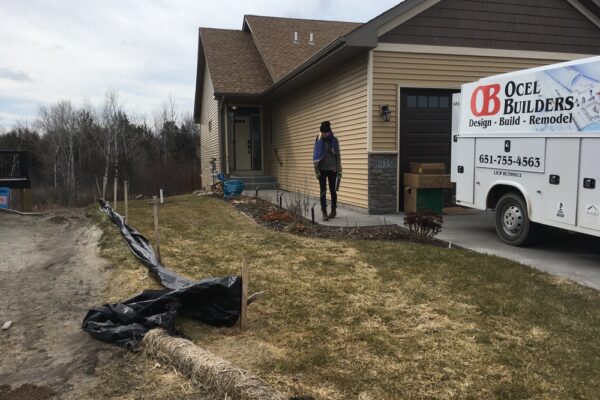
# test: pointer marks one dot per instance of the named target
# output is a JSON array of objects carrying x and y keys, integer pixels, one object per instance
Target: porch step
[{"x": 257, "y": 182}]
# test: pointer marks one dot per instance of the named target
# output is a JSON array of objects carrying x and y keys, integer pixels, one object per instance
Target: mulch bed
[{"x": 271, "y": 216}]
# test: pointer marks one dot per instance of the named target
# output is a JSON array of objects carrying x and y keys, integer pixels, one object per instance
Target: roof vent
[
  {"x": 296, "y": 41},
  {"x": 312, "y": 39}
]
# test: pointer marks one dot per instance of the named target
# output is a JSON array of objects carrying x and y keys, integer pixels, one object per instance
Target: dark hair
[{"x": 325, "y": 126}]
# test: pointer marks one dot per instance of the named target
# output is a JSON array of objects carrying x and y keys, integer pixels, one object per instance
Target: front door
[{"x": 243, "y": 144}]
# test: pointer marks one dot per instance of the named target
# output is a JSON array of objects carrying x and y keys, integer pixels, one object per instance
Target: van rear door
[
  {"x": 465, "y": 171},
  {"x": 588, "y": 210},
  {"x": 560, "y": 188}
]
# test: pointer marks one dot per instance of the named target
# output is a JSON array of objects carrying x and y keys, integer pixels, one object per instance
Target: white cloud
[
  {"x": 73, "y": 49},
  {"x": 17, "y": 76}
]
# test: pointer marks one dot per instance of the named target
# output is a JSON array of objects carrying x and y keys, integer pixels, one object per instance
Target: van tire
[{"x": 512, "y": 220}]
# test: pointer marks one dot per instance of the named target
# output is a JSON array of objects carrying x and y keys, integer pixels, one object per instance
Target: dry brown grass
[{"x": 376, "y": 320}]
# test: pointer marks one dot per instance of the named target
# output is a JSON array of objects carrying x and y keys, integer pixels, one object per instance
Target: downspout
[{"x": 222, "y": 135}]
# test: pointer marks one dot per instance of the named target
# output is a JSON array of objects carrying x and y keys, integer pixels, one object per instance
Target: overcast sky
[{"x": 77, "y": 49}]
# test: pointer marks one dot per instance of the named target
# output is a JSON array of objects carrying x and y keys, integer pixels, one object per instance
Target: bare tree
[
  {"x": 110, "y": 121},
  {"x": 58, "y": 122},
  {"x": 73, "y": 145}
]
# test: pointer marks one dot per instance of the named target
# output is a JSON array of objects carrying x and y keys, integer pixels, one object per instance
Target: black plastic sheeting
[{"x": 214, "y": 301}]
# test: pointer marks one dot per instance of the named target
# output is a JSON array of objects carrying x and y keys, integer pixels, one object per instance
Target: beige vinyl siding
[
  {"x": 209, "y": 129},
  {"x": 393, "y": 69},
  {"x": 339, "y": 97}
]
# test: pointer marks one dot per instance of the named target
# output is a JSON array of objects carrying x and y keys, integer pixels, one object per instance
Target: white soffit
[{"x": 584, "y": 10}]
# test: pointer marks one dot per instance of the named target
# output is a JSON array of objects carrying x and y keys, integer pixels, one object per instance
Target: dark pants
[{"x": 328, "y": 176}]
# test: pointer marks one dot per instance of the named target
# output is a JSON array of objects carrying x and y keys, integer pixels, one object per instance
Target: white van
[{"x": 527, "y": 144}]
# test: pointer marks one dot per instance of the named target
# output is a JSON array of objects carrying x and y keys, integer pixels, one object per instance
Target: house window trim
[{"x": 271, "y": 130}]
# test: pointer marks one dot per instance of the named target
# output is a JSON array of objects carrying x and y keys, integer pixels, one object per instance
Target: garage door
[{"x": 425, "y": 126}]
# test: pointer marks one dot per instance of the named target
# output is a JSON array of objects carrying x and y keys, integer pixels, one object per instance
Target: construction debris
[{"x": 214, "y": 301}]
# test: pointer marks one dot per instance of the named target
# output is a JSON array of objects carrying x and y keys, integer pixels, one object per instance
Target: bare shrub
[
  {"x": 298, "y": 203},
  {"x": 423, "y": 225}
]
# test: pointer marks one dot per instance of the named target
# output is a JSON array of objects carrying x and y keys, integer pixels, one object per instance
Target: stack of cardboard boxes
[{"x": 424, "y": 187}]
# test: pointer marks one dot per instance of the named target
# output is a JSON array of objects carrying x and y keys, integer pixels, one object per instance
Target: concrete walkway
[{"x": 572, "y": 256}]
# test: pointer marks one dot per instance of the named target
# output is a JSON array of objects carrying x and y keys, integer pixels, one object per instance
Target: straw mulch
[{"x": 206, "y": 368}]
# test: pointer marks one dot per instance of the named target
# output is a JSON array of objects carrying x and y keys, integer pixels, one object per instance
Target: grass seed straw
[{"x": 206, "y": 368}]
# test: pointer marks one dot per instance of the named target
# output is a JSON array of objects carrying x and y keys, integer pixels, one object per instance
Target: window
[
  {"x": 433, "y": 102},
  {"x": 271, "y": 130},
  {"x": 444, "y": 101},
  {"x": 427, "y": 101},
  {"x": 210, "y": 125}
]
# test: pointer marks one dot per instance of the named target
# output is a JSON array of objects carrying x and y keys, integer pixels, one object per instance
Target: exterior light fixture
[
  {"x": 386, "y": 113},
  {"x": 233, "y": 108}
]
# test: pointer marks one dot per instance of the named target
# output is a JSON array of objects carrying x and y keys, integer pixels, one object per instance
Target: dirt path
[{"x": 50, "y": 275}]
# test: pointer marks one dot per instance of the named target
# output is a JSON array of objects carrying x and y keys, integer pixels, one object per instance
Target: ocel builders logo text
[{"x": 485, "y": 102}]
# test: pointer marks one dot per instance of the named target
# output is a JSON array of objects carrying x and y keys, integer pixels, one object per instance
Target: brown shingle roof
[
  {"x": 234, "y": 64},
  {"x": 274, "y": 38}
]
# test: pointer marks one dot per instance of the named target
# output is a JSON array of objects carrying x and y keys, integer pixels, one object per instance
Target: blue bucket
[{"x": 233, "y": 188}]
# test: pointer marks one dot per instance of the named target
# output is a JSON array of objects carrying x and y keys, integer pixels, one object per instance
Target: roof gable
[
  {"x": 536, "y": 25},
  {"x": 274, "y": 39},
  {"x": 234, "y": 63}
]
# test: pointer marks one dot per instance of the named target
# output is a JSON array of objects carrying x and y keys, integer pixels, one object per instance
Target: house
[{"x": 262, "y": 91}]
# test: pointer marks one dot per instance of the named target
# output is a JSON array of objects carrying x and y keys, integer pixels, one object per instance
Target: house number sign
[{"x": 384, "y": 164}]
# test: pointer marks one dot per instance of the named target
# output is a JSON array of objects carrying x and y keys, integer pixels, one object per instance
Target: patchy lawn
[{"x": 376, "y": 320}]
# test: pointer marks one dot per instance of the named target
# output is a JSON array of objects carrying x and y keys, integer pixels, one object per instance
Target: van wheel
[{"x": 512, "y": 222}]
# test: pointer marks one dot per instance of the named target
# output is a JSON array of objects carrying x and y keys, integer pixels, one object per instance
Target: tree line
[{"x": 76, "y": 152}]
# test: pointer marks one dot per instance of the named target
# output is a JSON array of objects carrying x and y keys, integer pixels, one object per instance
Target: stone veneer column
[{"x": 383, "y": 183}]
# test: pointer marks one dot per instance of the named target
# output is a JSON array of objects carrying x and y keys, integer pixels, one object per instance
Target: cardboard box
[
  {"x": 410, "y": 200},
  {"x": 427, "y": 168},
  {"x": 423, "y": 199},
  {"x": 426, "y": 181}
]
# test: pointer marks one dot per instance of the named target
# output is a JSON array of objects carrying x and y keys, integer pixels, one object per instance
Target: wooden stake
[
  {"x": 156, "y": 234},
  {"x": 98, "y": 188},
  {"x": 27, "y": 201},
  {"x": 104, "y": 184},
  {"x": 115, "y": 190},
  {"x": 244, "y": 305},
  {"x": 126, "y": 198},
  {"x": 22, "y": 200}
]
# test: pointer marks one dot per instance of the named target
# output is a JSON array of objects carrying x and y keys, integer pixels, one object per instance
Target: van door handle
[
  {"x": 589, "y": 183},
  {"x": 554, "y": 180}
]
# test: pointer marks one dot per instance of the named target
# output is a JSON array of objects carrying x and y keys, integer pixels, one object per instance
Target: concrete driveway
[{"x": 557, "y": 252}]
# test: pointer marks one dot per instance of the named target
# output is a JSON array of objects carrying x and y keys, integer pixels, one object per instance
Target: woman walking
[{"x": 328, "y": 167}]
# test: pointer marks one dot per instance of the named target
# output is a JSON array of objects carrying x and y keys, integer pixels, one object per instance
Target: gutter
[{"x": 223, "y": 95}]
